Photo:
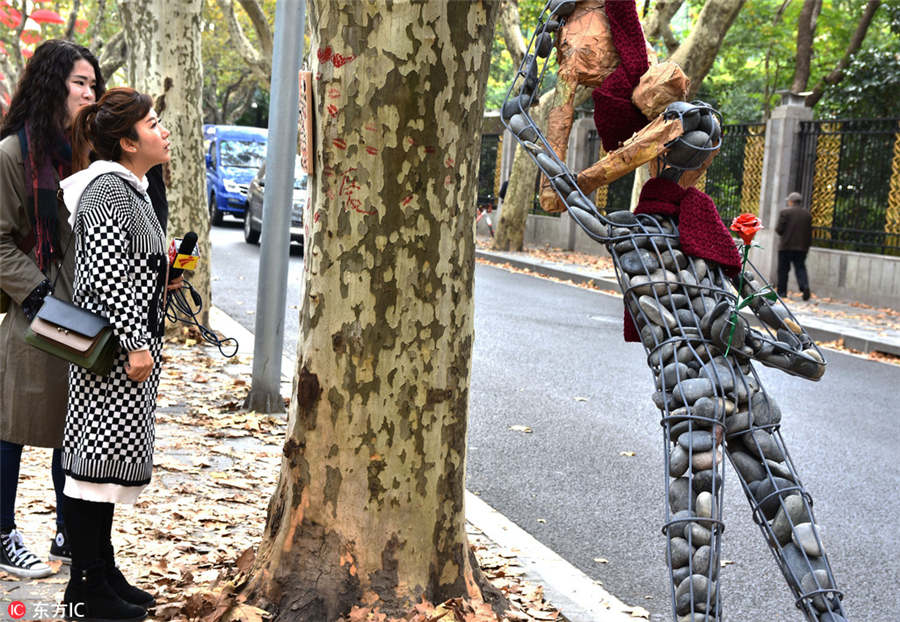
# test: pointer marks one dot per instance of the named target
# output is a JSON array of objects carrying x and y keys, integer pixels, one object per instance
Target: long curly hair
[{"x": 40, "y": 97}]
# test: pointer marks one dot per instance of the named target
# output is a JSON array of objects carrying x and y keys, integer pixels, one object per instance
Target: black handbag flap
[{"x": 75, "y": 319}]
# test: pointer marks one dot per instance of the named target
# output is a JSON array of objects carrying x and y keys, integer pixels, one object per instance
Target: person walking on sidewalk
[
  {"x": 120, "y": 273},
  {"x": 794, "y": 229},
  {"x": 58, "y": 80}
]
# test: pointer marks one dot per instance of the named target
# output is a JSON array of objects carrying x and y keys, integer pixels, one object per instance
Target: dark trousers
[
  {"x": 10, "y": 458},
  {"x": 798, "y": 259}
]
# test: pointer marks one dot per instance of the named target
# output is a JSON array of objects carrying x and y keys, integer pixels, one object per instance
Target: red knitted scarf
[
  {"x": 615, "y": 116},
  {"x": 700, "y": 228}
]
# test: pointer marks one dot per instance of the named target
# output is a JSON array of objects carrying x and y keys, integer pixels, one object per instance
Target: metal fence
[
  {"x": 850, "y": 174},
  {"x": 734, "y": 178}
]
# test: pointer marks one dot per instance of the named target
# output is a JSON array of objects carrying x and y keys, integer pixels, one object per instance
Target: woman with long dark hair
[
  {"x": 120, "y": 274},
  {"x": 35, "y": 154}
]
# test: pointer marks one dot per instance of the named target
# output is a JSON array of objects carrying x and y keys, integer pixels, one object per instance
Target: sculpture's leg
[
  {"x": 663, "y": 294},
  {"x": 781, "y": 506}
]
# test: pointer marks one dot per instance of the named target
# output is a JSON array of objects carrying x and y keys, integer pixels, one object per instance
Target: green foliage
[{"x": 758, "y": 58}]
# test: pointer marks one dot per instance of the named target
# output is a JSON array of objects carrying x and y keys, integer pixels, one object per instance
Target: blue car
[{"x": 233, "y": 157}]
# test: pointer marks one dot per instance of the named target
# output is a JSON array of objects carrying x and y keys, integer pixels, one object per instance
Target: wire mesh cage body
[{"x": 699, "y": 348}]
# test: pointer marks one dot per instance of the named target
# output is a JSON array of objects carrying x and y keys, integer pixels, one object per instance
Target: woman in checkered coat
[{"x": 120, "y": 273}]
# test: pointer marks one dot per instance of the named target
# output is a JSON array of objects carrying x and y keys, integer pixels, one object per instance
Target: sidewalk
[
  {"x": 204, "y": 512},
  {"x": 838, "y": 324}
]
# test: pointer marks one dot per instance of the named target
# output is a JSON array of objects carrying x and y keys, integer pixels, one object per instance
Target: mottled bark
[
  {"x": 163, "y": 47},
  {"x": 698, "y": 52},
  {"x": 806, "y": 31},
  {"x": 837, "y": 74},
  {"x": 508, "y": 20},
  {"x": 113, "y": 54},
  {"x": 369, "y": 505}
]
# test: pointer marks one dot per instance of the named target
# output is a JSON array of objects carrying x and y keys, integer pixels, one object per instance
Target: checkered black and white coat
[{"x": 120, "y": 273}]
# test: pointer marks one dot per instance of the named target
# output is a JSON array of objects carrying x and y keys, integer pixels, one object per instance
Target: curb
[
  {"x": 857, "y": 340},
  {"x": 577, "y": 597}
]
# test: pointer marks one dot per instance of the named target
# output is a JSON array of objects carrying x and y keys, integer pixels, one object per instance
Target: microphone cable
[{"x": 179, "y": 309}]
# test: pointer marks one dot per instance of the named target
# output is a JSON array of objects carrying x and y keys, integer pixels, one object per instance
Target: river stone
[
  {"x": 720, "y": 329},
  {"x": 704, "y": 460},
  {"x": 713, "y": 407},
  {"x": 704, "y": 504},
  {"x": 749, "y": 467},
  {"x": 769, "y": 503},
  {"x": 630, "y": 244},
  {"x": 702, "y": 305},
  {"x": 664, "y": 354},
  {"x": 780, "y": 469},
  {"x": 680, "y": 574},
  {"x": 692, "y": 389},
  {"x": 640, "y": 285},
  {"x": 720, "y": 374},
  {"x": 681, "y": 497},
  {"x": 815, "y": 581},
  {"x": 696, "y": 616},
  {"x": 655, "y": 313},
  {"x": 761, "y": 443},
  {"x": 673, "y": 373},
  {"x": 698, "y": 441},
  {"x": 652, "y": 334},
  {"x": 521, "y": 128},
  {"x": 796, "y": 561},
  {"x": 639, "y": 261},
  {"x": 681, "y": 552},
  {"x": 829, "y": 616},
  {"x": 622, "y": 217},
  {"x": 686, "y": 318},
  {"x": 704, "y": 562},
  {"x": 678, "y": 461},
  {"x": 765, "y": 410},
  {"x": 687, "y": 278},
  {"x": 703, "y": 480},
  {"x": 698, "y": 585},
  {"x": 676, "y": 301},
  {"x": 791, "y": 512},
  {"x": 662, "y": 400},
  {"x": 805, "y": 536},
  {"x": 773, "y": 315},
  {"x": 685, "y": 354},
  {"x": 700, "y": 267},
  {"x": 674, "y": 260},
  {"x": 737, "y": 423}
]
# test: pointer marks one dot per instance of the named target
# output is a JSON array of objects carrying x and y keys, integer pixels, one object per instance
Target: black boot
[
  {"x": 89, "y": 596},
  {"x": 125, "y": 590},
  {"x": 114, "y": 576}
]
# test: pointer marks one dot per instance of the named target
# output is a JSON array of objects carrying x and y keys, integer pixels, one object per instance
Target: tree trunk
[
  {"x": 164, "y": 62},
  {"x": 806, "y": 31},
  {"x": 369, "y": 505},
  {"x": 837, "y": 74},
  {"x": 698, "y": 52}
]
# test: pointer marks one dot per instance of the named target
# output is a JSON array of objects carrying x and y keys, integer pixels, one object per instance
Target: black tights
[{"x": 89, "y": 524}]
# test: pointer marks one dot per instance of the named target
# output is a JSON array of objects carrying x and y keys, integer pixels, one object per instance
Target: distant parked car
[
  {"x": 254, "y": 217},
  {"x": 233, "y": 157}
]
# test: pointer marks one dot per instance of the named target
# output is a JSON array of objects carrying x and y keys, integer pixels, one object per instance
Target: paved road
[{"x": 551, "y": 357}]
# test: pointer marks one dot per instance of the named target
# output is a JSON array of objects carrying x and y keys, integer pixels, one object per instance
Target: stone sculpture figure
[{"x": 682, "y": 280}]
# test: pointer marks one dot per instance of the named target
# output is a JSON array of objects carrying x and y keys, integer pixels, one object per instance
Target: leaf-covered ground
[{"x": 191, "y": 537}]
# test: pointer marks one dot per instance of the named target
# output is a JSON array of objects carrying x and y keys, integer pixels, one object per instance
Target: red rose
[{"x": 746, "y": 226}]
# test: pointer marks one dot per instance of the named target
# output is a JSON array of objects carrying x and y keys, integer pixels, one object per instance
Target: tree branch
[
  {"x": 837, "y": 74},
  {"x": 260, "y": 25},
  {"x": 259, "y": 65},
  {"x": 96, "y": 28},
  {"x": 806, "y": 31},
  {"x": 696, "y": 55},
  {"x": 70, "y": 23},
  {"x": 658, "y": 23},
  {"x": 113, "y": 55},
  {"x": 511, "y": 29}
]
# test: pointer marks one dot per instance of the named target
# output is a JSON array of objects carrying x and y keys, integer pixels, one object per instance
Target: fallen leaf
[
  {"x": 581, "y": 399},
  {"x": 627, "y": 454},
  {"x": 601, "y": 560},
  {"x": 521, "y": 428}
]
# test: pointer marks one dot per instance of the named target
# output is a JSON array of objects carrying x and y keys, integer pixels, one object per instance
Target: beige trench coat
[{"x": 33, "y": 385}]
